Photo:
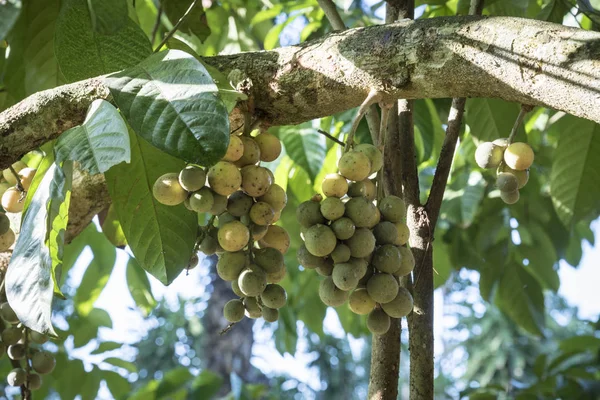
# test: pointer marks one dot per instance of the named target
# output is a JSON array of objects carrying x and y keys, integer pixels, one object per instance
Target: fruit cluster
[
  {"x": 358, "y": 246},
  {"x": 512, "y": 162},
  {"x": 13, "y": 198},
  {"x": 245, "y": 203},
  {"x": 17, "y": 344}
]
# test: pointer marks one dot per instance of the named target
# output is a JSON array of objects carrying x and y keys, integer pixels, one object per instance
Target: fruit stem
[
  {"x": 331, "y": 137},
  {"x": 524, "y": 110},
  {"x": 177, "y": 25},
  {"x": 16, "y": 175},
  {"x": 373, "y": 97}
]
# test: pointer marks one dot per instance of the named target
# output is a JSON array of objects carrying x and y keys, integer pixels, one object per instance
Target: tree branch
[{"x": 331, "y": 12}]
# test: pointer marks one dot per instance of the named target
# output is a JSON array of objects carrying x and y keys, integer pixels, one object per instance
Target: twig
[
  {"x": 177, "y": 25},
  {"x": 331, "y": 137},
  {"x": 156, "y": 24},
  {"x": 476, "y": 7},
  {"x": 373, "y": 97},
  {"x": 227, "y": 328},
  {"x": 524, "y": 110},
  {"x": 332, "y": 14},
  {"x": 16, "y": 175}
]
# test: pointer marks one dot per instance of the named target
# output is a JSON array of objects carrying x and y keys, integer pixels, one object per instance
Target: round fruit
[
  {"x": 378, "y": 322},
  {"x": 507, "y": 182},
  {"x": 275, "y": 196},
  {"x": 343, "y": 228},
  {"x": 192, "y": 178},
  {"x": 308, "y": 213},
  {"x": 230, "y": 265},
  {"x": 26, "y": 175},
  {"x": 385, "y": 232},
  {"x": 325, "y": 269},
  {"x": 392, "y": 209},
  {"x": 522, "y": 176},
  {"x": 8, "y": 175},
  {"x": 11, "y": 200},
  {"x": 362, "y": 243},
  {"x": 252, "y": 308},
  {"x": 256, "y": 180},
  {"x": 277, "y": 276},
  {"x": 320, "y": 240},
  {"x": 501, "y": 142},
  {"x": 361, "y": 264},
  {"x": 235, "y": 149},
  {"x": 309, "y": 261},
  {"x": 270, "y": 146},
  {"x": 268, "y": 259},
  {"x": 387, "y": 258},
  {"x": 43, "y": 362},
  {"x": 401, "y": 306},
  {"x": 360, "y": 302},
  {"x": 16, "y": 377},
  {"x": 354, "y": 165},
  {"x": 488, "y": 155},
  {"x": 202, "y": 200},
  {"x": 8, "y": 314},
  {"x": 382, "y": 288},
  {"x": 332, "y": 208},
  {"x": 273, "y": 296},
  {"x": 258, "y": 231},
  {"x": 262, "y": 213},
  {"x": 518, "y": 156},
  {"x": 361, "y": 211},
  {"x": 345, "y": 276},
  {"x": 225, "y": 218},
  {"x": 370, "y": 190},
  {"x": 11, "y": 335},
  {"x": 4, "y": 186},
  {"x": 6, "y": 240},
  {"x": 510, "y": 197},
  {"x": 34, "y": 381},
  {"x": 407, "y": 262},
  {"x": 276, "y": 237},
  {"x": 403, "y": 234},
  {"x": 239, "y": 203},
  {"x": 233, "y": 311},
  {"x": 168, "y": 191},
  {"x": 233, "y": 236},
  {"x": 374, "y": 155},
  {"x": 236, "y": 289},
  {"x": 357, "y": 189},
  {"x": 270, "y": 314},
  {"x": 224, "y": 178},
  {"x": 330, "y": 294},
  {"x": 253, "y": 281},
  {"x": 37, "y": 337},
  {"x": 251, "y": 153},
  {"x": 334, "y": 185},
  {"x": 16, "y": 352},
  {"x": 340, "y": 254}
]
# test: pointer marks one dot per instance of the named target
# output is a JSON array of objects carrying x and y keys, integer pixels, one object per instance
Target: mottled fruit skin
[
  {"x": 343, "y": 228},
  {"x": 7, "y": 240},
  {"x": 256, "y": 180},
  {"x": 192, "y": 178},
  {"x": 275, "y": 196},
  {"x": 488, "y": 155},
  {"x": 407, "y": 262},
  {"x": 224, "y": 178},
  {"x": 233, "y": 236},
  {"x": 382, "y": 288},
  {"x": 378, "y": 322},
  {"x": 510, "y": 197},
  {"x": 308, "y": 214},
  {"x": 374, "y": 155},
  {"x": 361, "y": 211},
  {"x": 251, "y": 153},
  {"x": 252, "y": 282},
  {"x": 270, "y": 314},
  {"x": 230, "y": 265},
  {"x": 239, "y": 204},
  {"x": 10, "y": 200},
  {"x": 387, "y": 258},
  {"x": 332, "y": 208},
  {"x": 518, "y": 156},
  {"x": 346, "y": 276},
  {"x": 334, "y": 185},
  {"x": 276, "y": 237},
  {"x": 401, "y": 306},
  {"x": 274, "y": 296},
  {"x": 320, "y": 240},
  {"x": 330, "y": 294},
  {"x": 270, "y": 146},
  {"x": 392, "y": 209},
  {"x": 354, "y": 165},
  {"x": 234, "y": 310},
  {"x": 360, "y": 302},
  {"x": 235, "y": 149},
  {"x": 262, "y": 213},
  {"x": 362, "y": 243},
  {"x": 507, "y": 182}
]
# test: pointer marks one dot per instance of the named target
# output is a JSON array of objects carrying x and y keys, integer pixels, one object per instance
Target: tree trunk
[{"x": 385, "y": 364}]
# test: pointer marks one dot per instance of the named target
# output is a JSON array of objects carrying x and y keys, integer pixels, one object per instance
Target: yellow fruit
[
  {"x": 11, "y": 200},
  {"x": 378, "y": 322},
  {"x": 407, "y": 262},
  {"x": 522, "y": 176},
  {"x": 26, "y": 175},
  {"x": 270, "y": 146},
  {"x": 401, "y": 306},
  {"x": 330, "y": 294},
  {"x": 168, "y": 191},
  {"x": 251, "y": 153},
  {"x": 346, "y": 276},
  {"x": 224, "y": 178},
  {"x": 518, "y": 156},
  {"x": 334, "y": 185},
  {"x": 403, "y": 234},
  {"x": 354, "y": 166},
  {"x": 374, "y": 155},
  {"x": 233, "y": 236},
  {"x": 262, "y": 213},
  {"x": 8, "y": 175},
  {"x": 360, "y": 302},
  {"x": 320, "y": 240},
  {"x": 488, "y": 155},
  {"x": 231, "y": 264},
  {"x": 235, "y": 149},
  {"x": 275, "y": 196},
  {"x": 256, "y": 180},
  {"x": 392, "y": 208},
  {"x": 192, "y": 178},
  {"x": 276, "y": 237},
  {"x": 382, "y": 288}
]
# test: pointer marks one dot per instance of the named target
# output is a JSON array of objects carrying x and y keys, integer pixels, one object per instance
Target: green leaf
[
  {"x": 170, "y": 100},
  {"x": 554, "y": 11},
  {"x": 9, "y": 12},
  {"x": 47, "y": 162},
  {"x": 139, "y": 287},
  {"x": 117, "y": 362},
  {"x": 108, "y": 16},
  {"x": 29, "y": 279},
  {"x": 441, "y": 263},
  {"x": 172, "y": 381},
  {"x": 83, "y": 52},
  {"x": 111, "y": 227},
  {"x": 85, "y": 328},
  {"x": 575, "y": 177},
  {"x": 520, "y": 297},
  {"x": 580, "y": 344},
  {"x": 430, "y": 127},
  {"x": 101, "y": 142},
  {"x": 119, "y": 387},
  {"x": 305, "y": 147},
  {"x": 472, "y": 197},
  {"x": 98, "y": 270},
  {"x": 195, "y": 22},
  {"x": 542, "y": 257},
  {"x": 286, "y": 335},
  {"x": 107, "y": 346},
  {"x": 490, "y": 119},
  {"x": 161, "y": 237},
  {"x": 206, "y": 385}
]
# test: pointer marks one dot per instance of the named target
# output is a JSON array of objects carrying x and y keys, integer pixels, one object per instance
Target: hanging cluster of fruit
[
  {"x": 357, "y": 241},
  {"x": 512, "y": 162},
  {"x": 245, "y": 203},
  {"x": 13, "y": 193}
]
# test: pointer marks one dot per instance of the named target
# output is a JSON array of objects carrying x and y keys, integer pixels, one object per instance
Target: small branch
[
  {"x": 332, "y": 14},
  {"x": 18, "y": 178},
  {"x": 409, "y": 174},
  {"x": 373, "y": 97},
  {"x": 227, "y": 328},
  {"x": 330, "y": 137},
  {"x": 156, "y": 24},
  {"x": 476, "y": 7},
  {"x": 524, "y": 110},
  {"x": 177, "y": 25}
]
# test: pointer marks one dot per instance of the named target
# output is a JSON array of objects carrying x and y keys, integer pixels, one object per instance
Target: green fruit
[
  {"x": 37, "y": 337},
  {"x": 224, "y": 178},
  {"x": 16, "y": 377},
  {"x": 234, "y": 310},
  {"x": 4, "y": 224},
  {"x": 256, "y": 180},
  {"x": 330, "y": 294},
  {"x": 233, "y": 236},
  {"x": 252, "y": 308},
  {"x": 166, "y": 190},
  {"x": 346, "y": 276},
  {"x": 270, "y": 146},
  {"x": 522, "y": 176},
  {"x": 43, "y": 362},
  {"x": 332, "y": 208},
  {"x": 277, "y": 276},
  {"x": 276, "y": 237},
  {"x": 202, "y": 200},
  {"x": 488, "y": 155},
  {"x": 235, "y": 149},
  {"x": 374, "y": 155},
  {"x": 382, "y": 288},
  {"x": 192, "y": 178},
  {"x": 387, "y": 258},
  {"x": 230, "y": 265},
  {"x": 326, "y": 269},
  {"x": 320, "y": 240},
  {"x": 262, "y": 213},
  {"x": 16, "y": 352},
  {"x": 340, "y": 254},
  {"x": 8, "y": 314},
  {"x": 403, "y": 234},
  {"x": 401, "y": 306},
  {"x": 361, "y": 264},
  {"x": 268, "y": 259},
  {"x": 369, "y": 272},
  {"x": 239, "y": 204},
  {"x": 360, "y": 302},
  {"x": 11, "y": 335},
  {"x": 209, "y": 245},
  {"x": 270, "y": 314},
  {"x": 362, "y": 243},
  {"x": 275, "y": 196},
  {"x": 224, "y": 219},
  {"x": 309, "y": 261},
  {"x": 385, "y": 232},
  {"x": 236, "y": 289},
  {"x": 357, "y": 189},
  {"x": 251, "y": 154},
  {"x": 392, "y": 209},
  {"x": 407, "y": 262},
  {"x": 378, "y": 322},
  {"x": 7, "y": 240},
  {"x": 258, "y": 231},
  {"x": 34, "y": 381},
  {"x": 219, "y": 204},
  {"x": 308, "y": 214},
  {"x": 274, "y": 296},
  {"x": 252, "y": 281},
  {"x": 354, "y": 166},
  {"x": 361, "y": 211},
  {"x": 343, "y": 228},
  {"x": 507, "y": 182},
  {"x": 510, "y": 197},
  {"x": 518, "y": 156},
  {"x": 334, "y": 185}
]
